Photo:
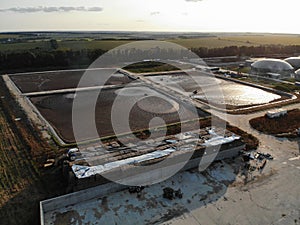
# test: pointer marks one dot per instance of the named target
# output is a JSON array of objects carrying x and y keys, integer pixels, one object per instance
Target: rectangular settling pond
[
  {"x": 234, "y": 94},
  {"x": 57, "y": 110}
]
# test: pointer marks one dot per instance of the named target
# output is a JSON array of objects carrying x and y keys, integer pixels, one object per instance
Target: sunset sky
[{"x": 151, "y": 15}]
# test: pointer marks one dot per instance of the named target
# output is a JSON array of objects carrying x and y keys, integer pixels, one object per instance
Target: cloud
[
  {"x": 52, "y": 9},
  {"x": 154, "y": 13},
  {"x": 95, "y": 9}
]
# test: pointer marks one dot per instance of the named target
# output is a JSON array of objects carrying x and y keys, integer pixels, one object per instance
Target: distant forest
[{"x": 37, "y": 59}]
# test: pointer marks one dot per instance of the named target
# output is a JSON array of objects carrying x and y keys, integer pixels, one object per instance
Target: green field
[
  {"x": 63, "y": 45},
  {"x": 212, "y": 42},
  {"x": 218, "y": 41},
  {"x": 244, "y": 40},
  {"x": 24, "y": 46},
  {"x": 94, "y": 44},
  {"x": 8, "y": 36},
  {"x": 265, "y": 39}
]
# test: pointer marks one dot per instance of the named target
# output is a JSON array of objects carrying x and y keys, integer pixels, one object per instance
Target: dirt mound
[
  {"x": 283, "y": 124},
  {"x": 158, "y": 105}
]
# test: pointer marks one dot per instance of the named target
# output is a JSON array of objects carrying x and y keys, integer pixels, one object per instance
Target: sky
[{"x": 275, "y": 16}]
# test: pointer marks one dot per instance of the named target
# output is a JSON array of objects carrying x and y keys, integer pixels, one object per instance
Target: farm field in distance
[
  {"x": 67, "y": 50},
  {"x": 238, "y": 40},
  {"x": 215, "y": 40}
]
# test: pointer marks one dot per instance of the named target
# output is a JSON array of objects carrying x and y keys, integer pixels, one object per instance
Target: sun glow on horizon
[{"x": 155, "y": 15}]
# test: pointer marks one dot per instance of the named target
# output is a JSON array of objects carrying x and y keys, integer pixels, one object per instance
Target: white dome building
[
  {"x": 294, "y": 61},
  {"x": 272, "y": 68},
  {"x": 297, "y": 75}
]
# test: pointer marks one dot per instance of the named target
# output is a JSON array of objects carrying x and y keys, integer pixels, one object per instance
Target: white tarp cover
[
  {"x": 219, "y": 140},
  {"x": 87, "y": 171}
]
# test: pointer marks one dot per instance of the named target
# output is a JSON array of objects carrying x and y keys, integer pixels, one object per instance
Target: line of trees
[
  {"x": 38, "y": 59},
  {"x": 251, "y": 51}
]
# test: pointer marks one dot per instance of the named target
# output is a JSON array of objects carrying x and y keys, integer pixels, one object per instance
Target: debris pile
[
  {"x": 247, "y": 156},
  {"x": 170, "y": 193},
  {"x": 135, "y": 189},
  {"x": 254, "y": 161}
]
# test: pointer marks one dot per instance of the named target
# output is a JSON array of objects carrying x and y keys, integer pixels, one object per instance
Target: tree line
[
  {"x": 37, "y": 59},
  {"x": 251, "y": 51}
]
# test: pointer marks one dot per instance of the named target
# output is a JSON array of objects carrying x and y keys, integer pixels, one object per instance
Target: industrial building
[
  {"x": 294, "y": 62},
  {"x": 84, "y": 169},
  {"x": 86, "y": 177},
  {"x": 272, "y": 68}
]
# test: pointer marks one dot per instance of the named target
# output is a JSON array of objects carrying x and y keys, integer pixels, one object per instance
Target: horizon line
[{"x": 133, "y": 31}]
